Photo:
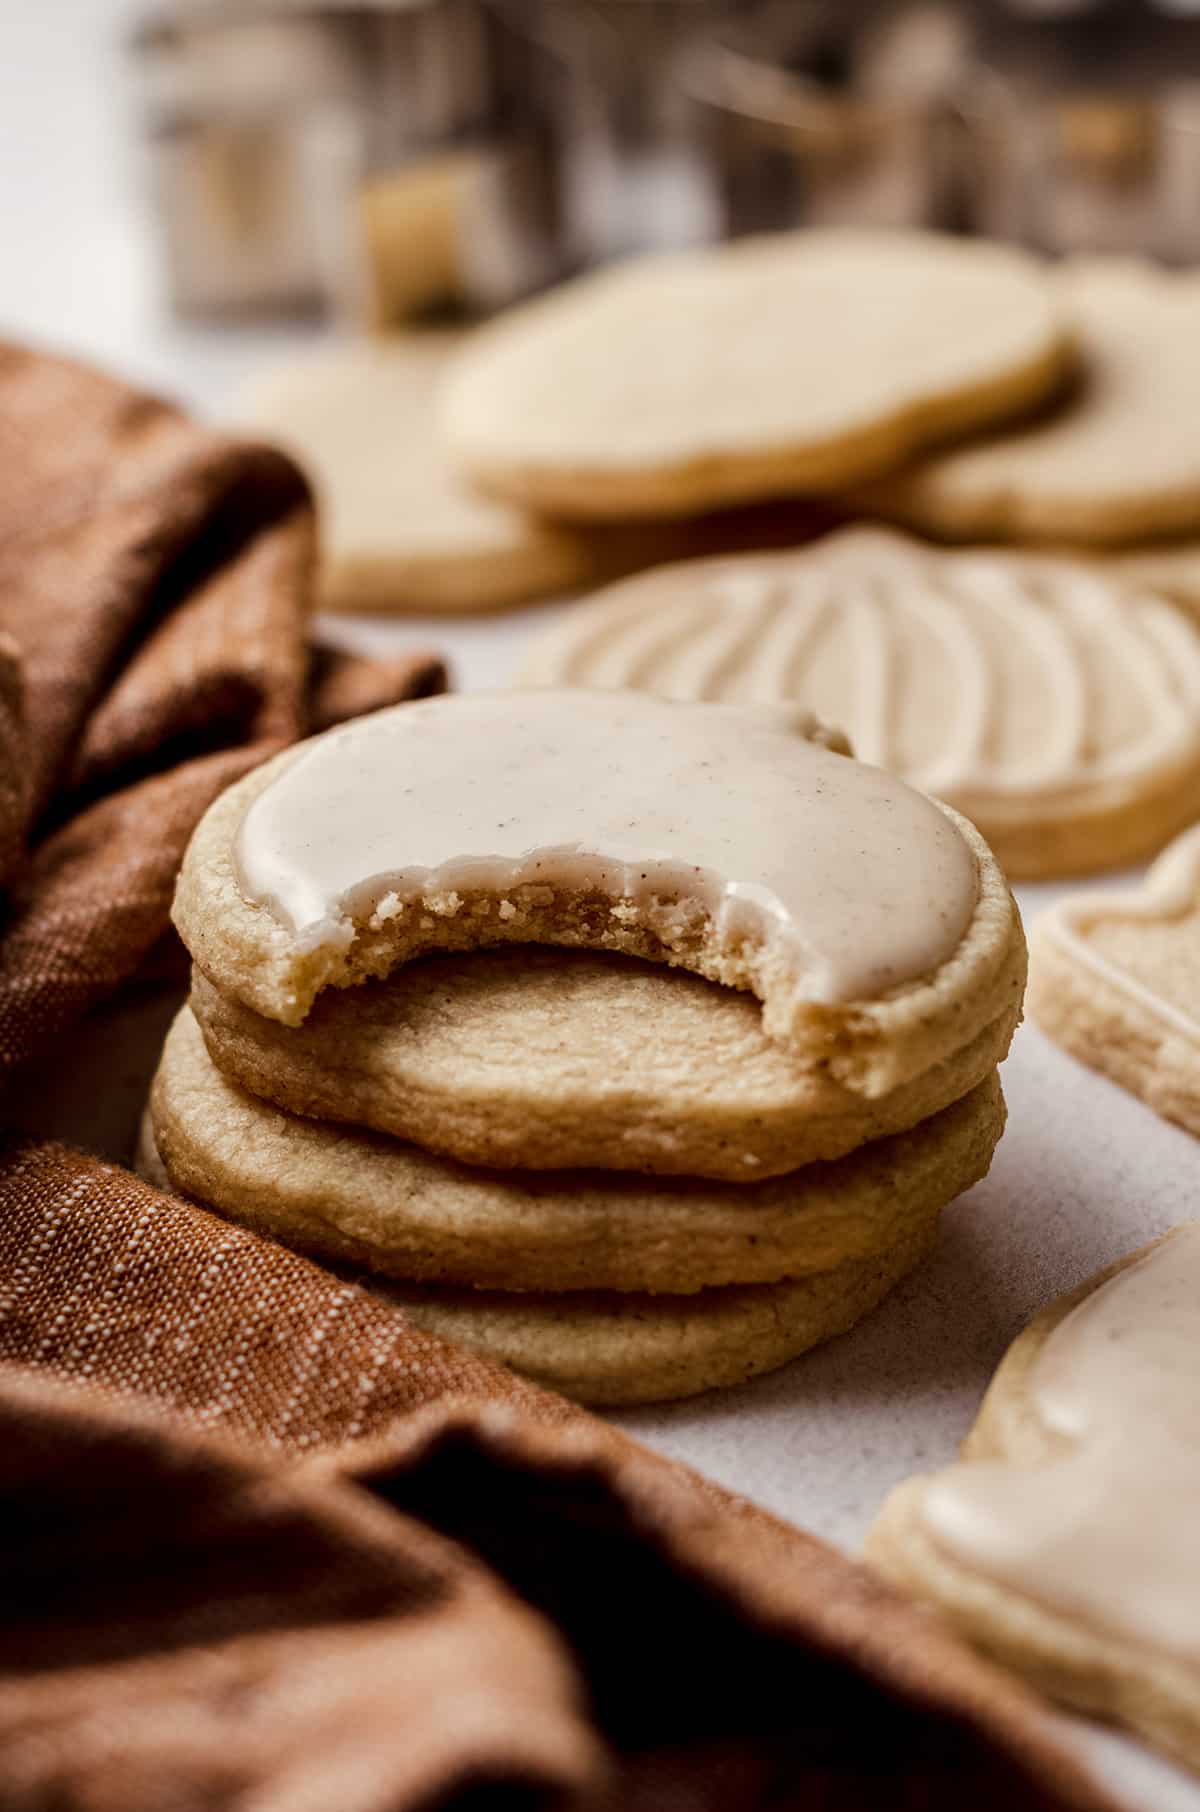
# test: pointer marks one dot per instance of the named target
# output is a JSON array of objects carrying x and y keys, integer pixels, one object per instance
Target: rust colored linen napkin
[
  {"x": 154, "y": 581},
  {"x": 264, "y": 1545}
]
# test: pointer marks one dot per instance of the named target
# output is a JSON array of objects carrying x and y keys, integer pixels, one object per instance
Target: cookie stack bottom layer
[{"x": 786, "y": 1263}]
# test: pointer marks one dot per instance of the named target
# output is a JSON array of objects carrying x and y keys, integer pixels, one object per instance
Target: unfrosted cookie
[
  {"x": 1118, "y": 462},
  {"x": 1064, "y": 1543},
  {"x": 873, "y": 924},
  {"x": 1053, "y": 701},
  {"x": 799, "y": 362},
  {"x": 392, "y": 1208},
  {"x": 1115, "y": 979},
  {"x": 570, "y": 1059},
  {"x": 400, "y": 530}
]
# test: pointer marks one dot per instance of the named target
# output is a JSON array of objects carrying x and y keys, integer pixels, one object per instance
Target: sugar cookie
[
  {"x": 1064, "y": 1543},
  {"x": 1170, "y": 568},
  {"x": 570, "y": 1059},
  {"x": 400, "y": 530},
  {"x": 403, "y": 532},
  {"x": 363, "y": 1200},
  {"x": 790, "y": 363},
  {"x": 396, "y": 1209},
  {"x": 1054, "y": 704},
  {"x": 612, "y": 1350},
  {"x": 1115, "y": 979},
  {"x": 872, "y": 923},
  {"x": 1117, "y": 463}
]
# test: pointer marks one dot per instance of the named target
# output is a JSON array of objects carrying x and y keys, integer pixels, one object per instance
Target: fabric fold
[
  {"x": 155, "y": 583},
  {"x": 711, "y": 1642},
  {"x": 14, "y": 797},
  {"x": 185, "y": 1627}
]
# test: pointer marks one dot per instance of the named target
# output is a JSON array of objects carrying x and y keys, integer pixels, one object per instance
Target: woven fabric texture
[
  {"x": 264, "y": 1545},
  {"x": 154, "y": 583}
]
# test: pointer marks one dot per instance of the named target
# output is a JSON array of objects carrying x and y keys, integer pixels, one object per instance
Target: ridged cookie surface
[{"x": 1053, "y": 702}]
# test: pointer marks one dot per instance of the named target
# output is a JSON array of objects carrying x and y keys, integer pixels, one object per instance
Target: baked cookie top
[
  {"x": 400, "y": 530},
  {"x": 1115, "y": 979},
  {"x": 791, "y": 362},
  {"x": 1041, "y": 696},
  {"x": 864, "y": 916},
  {"x": 1118, "y": 462}
]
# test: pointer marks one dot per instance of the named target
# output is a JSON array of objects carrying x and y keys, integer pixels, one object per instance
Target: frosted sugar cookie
[
  {"x": 1170, "y": 568},
  {"x": 398, "y": 1210},
  {"x": 400, "y": 530},
  {"x": 789, "y": 363},
  {"x": 571, "y": 1059},
  {"x": 872, "y": 923},
  {"x": 1052, "y": 701},
  {"x": 1115, "y": 979},
  {"x": 1064, "y": 1543},
  {"x": 1117, "y": 462}
]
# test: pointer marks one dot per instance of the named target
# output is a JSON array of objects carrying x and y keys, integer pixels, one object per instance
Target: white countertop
[{"x": 1084, "y": 1173}]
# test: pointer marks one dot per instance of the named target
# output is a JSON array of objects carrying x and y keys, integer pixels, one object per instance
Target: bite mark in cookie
[{"x": 871, "y": 922}]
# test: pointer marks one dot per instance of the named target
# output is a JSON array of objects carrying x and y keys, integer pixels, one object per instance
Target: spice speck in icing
[
  {"x": 862, "y": 881},
  {"x": 1108, "y": 1529}
]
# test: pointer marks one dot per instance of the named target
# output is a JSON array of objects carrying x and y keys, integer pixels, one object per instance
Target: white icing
[
  {"x": 859, "y": 882},
  {"x": 1108, "y": 1529},
  {"x": 990, "y": 679}
]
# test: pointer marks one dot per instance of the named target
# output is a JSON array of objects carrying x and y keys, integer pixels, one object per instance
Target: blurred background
[{"x": 273, "y": 164}]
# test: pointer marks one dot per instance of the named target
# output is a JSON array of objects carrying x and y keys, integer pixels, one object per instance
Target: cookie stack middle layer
[{"x": 600, "y": 1169}]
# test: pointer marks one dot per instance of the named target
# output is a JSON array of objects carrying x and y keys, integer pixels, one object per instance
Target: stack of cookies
[{"x": 636, "y": 1044}]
